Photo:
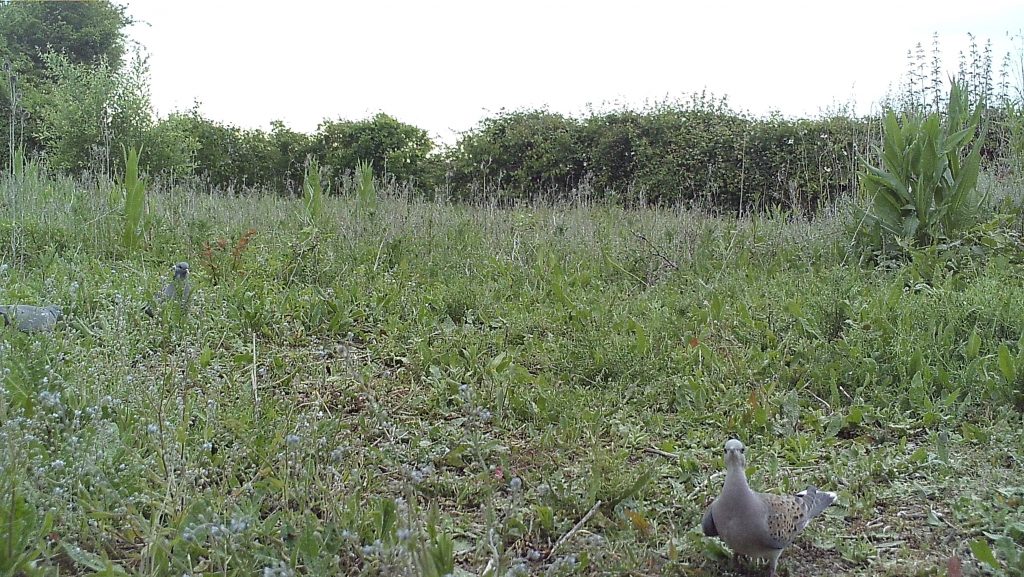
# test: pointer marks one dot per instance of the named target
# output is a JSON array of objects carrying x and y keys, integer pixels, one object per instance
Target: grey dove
[
  {"x": 759, "y": 524},
  {"x": 29, "y": 318},
  {"x": 179, "y": 290}
]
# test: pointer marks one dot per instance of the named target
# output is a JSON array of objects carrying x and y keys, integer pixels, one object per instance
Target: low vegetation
[{"x": 423, "y": 388}]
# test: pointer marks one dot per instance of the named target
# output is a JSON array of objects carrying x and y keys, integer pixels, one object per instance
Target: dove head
[
  {"x": 181, "y": 270},
  {"x": 55, "y": 311},
  {"x": 734, "y": 457}
]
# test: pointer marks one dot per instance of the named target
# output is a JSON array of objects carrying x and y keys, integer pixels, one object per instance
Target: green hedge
[{"x": 698, "y": 154}]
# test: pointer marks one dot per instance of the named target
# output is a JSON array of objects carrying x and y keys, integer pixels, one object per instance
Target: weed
[
  {"x": 925, "y": 191},
  {"x": 134, "y": 199}
]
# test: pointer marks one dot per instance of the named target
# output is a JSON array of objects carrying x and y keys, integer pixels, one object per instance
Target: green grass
[{"x": 429, "y": 384}]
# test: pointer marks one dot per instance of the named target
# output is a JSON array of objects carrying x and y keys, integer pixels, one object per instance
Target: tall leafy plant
[
  {"x": 313, "y": 192},
  {"x": 925, "y": 190},
  {"x": 134, "y": 200}
]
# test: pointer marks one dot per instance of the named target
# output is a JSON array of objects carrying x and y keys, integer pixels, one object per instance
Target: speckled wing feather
[{"x": 788, "y": 515}]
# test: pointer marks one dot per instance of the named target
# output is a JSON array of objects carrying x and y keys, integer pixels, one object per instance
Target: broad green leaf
[
  {"x": 856, "y": 415},
  {"x": 1006, "y": 364},
  {"x": 313, "y": 191},
  {"x": 894, "y": 145},
  {"x": 309, "y": 544},
  {"x": 499, "y": 363},
  {"x": 967, "y": 177},
  {"x": 919, "y": 456},
  {"x": 982, "y": 552},
  {"x": 910, "y": 226},
  {"x": 134, "y": 199},
  {"x": 546, "y": 517},
  {"x": 84, "y": 558},
  {"x": 957, "y": 140},
  {"x": 973, "y": 345}
]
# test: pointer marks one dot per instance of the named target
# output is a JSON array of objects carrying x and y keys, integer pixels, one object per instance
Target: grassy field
[{"x": 422, "y": 388}]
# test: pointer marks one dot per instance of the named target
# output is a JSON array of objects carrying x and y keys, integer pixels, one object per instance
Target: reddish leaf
[{"x": 953, "y": 568}]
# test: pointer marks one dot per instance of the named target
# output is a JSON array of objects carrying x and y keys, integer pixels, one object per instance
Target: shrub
[
  {"x": 228, "y": 156},
  {"x": 171, "y": 147},
  {"x": 924, "y": 191},
  {"x": 87, "y": 112},
  {"x": 612, "y": 141},
  {"x": 691, "y": 152},
  {"x": 520, "y": 154},
  {"x": 396, "y": 149},
  {"x": 291, "y": 148},
  {"x": 698, "y": 151}
]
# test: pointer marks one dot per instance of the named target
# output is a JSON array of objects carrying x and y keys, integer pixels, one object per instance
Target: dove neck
[{"x": 736, "y": 476}]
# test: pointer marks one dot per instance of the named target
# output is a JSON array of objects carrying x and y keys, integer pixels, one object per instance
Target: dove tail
[{"x": 816, "y": 501}]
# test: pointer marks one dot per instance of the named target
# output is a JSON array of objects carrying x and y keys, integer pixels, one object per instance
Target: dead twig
[
  {"x": 657, "y": 451},
  {"x": 574, "y": 529},
  {"x": 657, "y": 252}
]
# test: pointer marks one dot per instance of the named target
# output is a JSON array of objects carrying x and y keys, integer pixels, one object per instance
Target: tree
[
  {"x": 395, "y": 148},
  {"x": 521, "y": 153},
  {"x": 85, "y": 32},
  {"x": 89, "y": 112},
  {"x": 291, "y": 149}
]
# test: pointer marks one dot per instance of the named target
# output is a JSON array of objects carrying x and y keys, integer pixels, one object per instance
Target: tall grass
[
  {"x": 455, "y": 387},
  {"x": 13, "y": 98},
  {"x": 366, "y": 190}
]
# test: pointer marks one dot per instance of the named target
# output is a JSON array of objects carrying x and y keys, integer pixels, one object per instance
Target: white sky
[{"x": 444, "y": 65}]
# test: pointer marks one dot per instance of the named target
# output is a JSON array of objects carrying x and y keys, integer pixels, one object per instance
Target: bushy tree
[
  {"x": 394, "y": 148},
  {"x": 611, "y": 143},
  {"x": 291, "y": 149},
  {"x": 215, "y": 146},
  {"x": 84, "y": 32},
  {"x": 170, "y": 147},
  {"x": 520, "y": 154},
  {"x": 86, "y": 113}
]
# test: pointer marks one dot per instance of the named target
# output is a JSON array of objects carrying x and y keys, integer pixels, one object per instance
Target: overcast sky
[{"x": 444, "y": 65}]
